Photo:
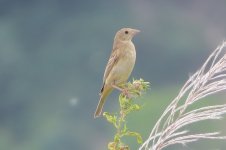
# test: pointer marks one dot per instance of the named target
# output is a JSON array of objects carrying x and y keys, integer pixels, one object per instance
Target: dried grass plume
[{"x": 171, "y": 128}]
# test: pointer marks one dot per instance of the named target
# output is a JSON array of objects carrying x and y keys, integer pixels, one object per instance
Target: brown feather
[{"x": 106, "y": 91}]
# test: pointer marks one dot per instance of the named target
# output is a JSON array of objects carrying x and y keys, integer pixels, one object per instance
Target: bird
[{"x": 119, "y": 66}]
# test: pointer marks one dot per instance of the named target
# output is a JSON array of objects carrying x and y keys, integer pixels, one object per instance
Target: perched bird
[{"x": 119, "y": 66}]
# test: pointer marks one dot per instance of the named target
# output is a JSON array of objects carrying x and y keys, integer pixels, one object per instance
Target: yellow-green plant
[{"x": 128, "y": 103}]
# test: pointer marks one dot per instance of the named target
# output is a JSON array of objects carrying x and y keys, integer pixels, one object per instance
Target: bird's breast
[
  {"x": 122, "y": 70},
  {"x": 128, "y": 59}
]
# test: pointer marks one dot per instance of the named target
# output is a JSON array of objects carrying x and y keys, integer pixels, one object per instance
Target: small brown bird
[{"x": 119, "y": 66}]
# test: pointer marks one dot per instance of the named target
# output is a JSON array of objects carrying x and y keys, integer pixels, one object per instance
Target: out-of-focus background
[{"x": 53, "y": 54}]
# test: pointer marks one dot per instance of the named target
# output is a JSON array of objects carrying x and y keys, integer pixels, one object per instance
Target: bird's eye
[{"x": 126, "y": 32}]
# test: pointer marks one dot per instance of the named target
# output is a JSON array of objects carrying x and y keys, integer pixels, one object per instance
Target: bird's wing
[{"x": 114, "y": 57}]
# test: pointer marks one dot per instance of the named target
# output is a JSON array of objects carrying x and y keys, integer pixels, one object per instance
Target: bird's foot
[{"x": 126, "y": 93}]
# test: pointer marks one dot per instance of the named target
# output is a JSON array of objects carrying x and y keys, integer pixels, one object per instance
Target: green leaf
[
  {"x": 136, "y": 107},
  {"x": 137, "y": 135},
  {"x": 110, "y": 118},
  {"x": 117, "y": 138},
  {"x": 125, "y": 103},
  {"x": 111, "y": 145},
  {"x": 124, "y": 129}
]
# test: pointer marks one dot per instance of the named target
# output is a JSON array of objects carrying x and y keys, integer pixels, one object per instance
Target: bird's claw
[{"x": 126, "y": 93}]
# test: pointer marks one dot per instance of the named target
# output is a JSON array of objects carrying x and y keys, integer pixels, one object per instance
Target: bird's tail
[{"x": 103, "y": 95}]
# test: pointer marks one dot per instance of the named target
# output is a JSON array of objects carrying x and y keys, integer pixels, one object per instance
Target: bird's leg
[
  {"x": 117, "y": 87},
  {"x": 126, "y": 93},
  {"x": 123, "y": 90}
]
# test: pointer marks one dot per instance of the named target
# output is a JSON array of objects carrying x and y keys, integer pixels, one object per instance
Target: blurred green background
[{"x": 53, "y": 54}]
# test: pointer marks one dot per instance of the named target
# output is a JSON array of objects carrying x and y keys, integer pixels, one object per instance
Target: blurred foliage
[{"x": 52, "y": 55}]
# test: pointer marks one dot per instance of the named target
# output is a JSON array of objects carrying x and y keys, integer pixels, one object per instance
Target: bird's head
[{"x": 126, "y": 34}]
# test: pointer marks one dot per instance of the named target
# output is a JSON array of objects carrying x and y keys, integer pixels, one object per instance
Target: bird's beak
[{"x": 135, "y": 31}]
